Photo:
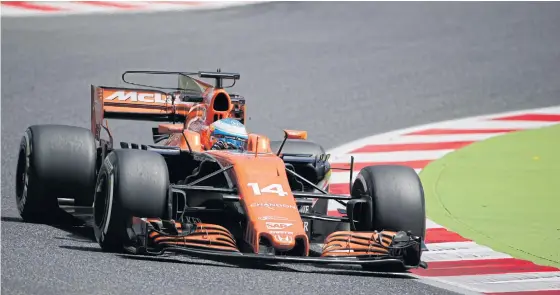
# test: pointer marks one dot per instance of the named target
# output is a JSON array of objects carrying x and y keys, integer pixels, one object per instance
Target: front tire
[
  {"x": 395, "y": 202},
  {"x": 130, "y": 183},
  {"x": 397, "y": 198}
]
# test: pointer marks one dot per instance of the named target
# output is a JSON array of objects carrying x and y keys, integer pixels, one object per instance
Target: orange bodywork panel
[
  {"x": 220, "y": 105},
  {"x": 264, "y": 191},
  {"x": 170, "y": 128},
  {"x": 295, "y": 134}
]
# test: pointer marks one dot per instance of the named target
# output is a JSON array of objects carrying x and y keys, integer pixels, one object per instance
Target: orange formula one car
[{"x": 194, "y": 192}]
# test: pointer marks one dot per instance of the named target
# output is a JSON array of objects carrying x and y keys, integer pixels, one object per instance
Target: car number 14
[{"x": 272, "y": 189}]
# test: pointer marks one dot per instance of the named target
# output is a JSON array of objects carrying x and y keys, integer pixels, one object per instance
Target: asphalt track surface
[{"x": 342, "y": 71}]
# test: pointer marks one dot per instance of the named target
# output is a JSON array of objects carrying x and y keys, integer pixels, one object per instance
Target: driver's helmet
[{"x": 228, "y": 134}]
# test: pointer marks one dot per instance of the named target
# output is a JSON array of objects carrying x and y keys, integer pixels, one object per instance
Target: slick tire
[
  {"x": 54, "y": 161},
  {"x": 130, "y": 183},
  {"x": 395, "y": 202},
  {"x": 397, "y": 199}
]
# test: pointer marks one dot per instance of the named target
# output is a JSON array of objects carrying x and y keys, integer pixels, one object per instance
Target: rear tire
[
  {"x": 54, "y": 161},
  {"x": 130, "y": 183}
]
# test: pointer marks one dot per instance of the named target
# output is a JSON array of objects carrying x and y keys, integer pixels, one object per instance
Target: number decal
[
  {"x": 255, "y": 187},
  {"x": 273, "y": 189}
]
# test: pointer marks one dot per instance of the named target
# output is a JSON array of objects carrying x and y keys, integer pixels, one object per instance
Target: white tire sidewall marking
[
  {"x": 110, "y": 183},
  {"x": 27, "y": 166}
]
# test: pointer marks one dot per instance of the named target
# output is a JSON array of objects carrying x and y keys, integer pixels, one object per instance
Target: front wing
[{"x": 214, "y": 242}]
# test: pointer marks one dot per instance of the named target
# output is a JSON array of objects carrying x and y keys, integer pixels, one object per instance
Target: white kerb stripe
[
  {"x": 432, "y": 224},
  {"x": 459, "y": 251},
  {"x": 468, "y": 122},
  {"x": 511, "y": 282},
  {"x": 436, "y": 138},
  {"x": 389, "y": 156},
  {"x": 476, "y": 124},
  {"x": 344, "y": 177}
]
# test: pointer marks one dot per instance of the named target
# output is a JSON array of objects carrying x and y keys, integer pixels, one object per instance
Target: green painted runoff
[{"x": 503, "y": 192}]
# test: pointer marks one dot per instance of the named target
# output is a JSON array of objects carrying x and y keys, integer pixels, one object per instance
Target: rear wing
[{"x": 134, "y": 104}]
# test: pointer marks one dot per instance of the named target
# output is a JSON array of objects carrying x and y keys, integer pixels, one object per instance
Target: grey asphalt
[{"x": 342, "y": 71}]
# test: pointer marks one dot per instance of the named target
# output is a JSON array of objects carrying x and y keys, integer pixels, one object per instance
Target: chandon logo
[{"x": 272, "y": 206}]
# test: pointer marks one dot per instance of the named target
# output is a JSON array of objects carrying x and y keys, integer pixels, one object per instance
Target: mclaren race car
[{"x": 266, "y": 202}]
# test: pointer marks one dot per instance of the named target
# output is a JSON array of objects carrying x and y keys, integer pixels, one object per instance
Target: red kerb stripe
[
  {"x": 459, "y": 131},
  {"x": 31, "y": 6},
  {"x": 340, "y": 188},
  {"x": 481, "y": 267},
  {"x": 334, "y": 213},
  {"x": 398, "y": 147},
  {"x": 531, "y": 117},
  {"x": 442, "y": 235},
  {"x": 343, "y": 188},
  {"x": 417, "y": 164}
]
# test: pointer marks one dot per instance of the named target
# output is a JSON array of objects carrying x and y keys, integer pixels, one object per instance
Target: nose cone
[
  {"x": 270, "y": 207},
  {"x": 276, "y": 219}
]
